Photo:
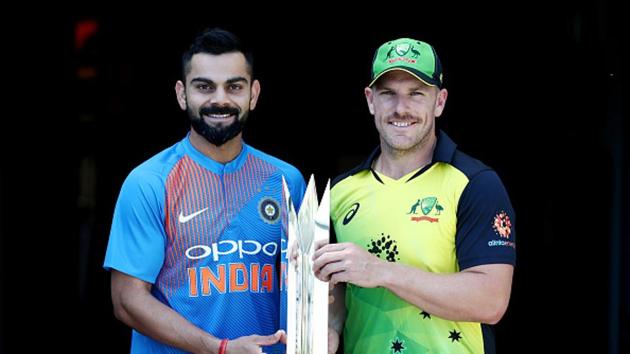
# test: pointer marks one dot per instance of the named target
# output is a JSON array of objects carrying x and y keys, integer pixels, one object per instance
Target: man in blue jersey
[{"x": 195, "y": 245}]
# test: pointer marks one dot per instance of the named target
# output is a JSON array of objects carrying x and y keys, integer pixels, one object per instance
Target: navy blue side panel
[
  {"x": 485, "y": 223},
  {"x": 488, "y": 339}
]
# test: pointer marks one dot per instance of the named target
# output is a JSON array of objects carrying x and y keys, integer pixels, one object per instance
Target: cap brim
[{"x": 407, "y": 70}]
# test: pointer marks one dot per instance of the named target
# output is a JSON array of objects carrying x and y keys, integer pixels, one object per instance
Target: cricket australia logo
[
  {"x": 400, "y": 52},
  {"x": 429, "y": 207},
  {"x": 269, "y": 210}
]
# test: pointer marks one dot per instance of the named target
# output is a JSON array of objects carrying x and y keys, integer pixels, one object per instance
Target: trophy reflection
[{"x": 307, "y": 296}]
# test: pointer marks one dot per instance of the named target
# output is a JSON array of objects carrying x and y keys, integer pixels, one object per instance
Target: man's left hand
[{"x": 347, "y": 262}]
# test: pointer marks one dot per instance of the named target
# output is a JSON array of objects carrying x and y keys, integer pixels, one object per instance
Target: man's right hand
[
  {"x": 333, "y": 341},
  {"x": 253, "y": 344}
]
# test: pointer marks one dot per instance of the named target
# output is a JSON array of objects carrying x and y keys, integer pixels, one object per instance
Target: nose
[
  {"x": 401, "y": 107},
  {"x": 219, "y": 97}
]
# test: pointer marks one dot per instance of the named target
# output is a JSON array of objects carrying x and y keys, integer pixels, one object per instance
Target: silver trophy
[{"x": 307, "y": 296}]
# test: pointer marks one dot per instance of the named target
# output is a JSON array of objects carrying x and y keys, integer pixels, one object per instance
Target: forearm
[
  {"x": 472, "y": 295},
  {"x": 478, "y": 294},
  {"x": 138, "y": 308},
  {"x": 147, "y": 315}
]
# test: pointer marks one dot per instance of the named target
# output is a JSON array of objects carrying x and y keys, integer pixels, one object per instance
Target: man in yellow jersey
[{"x": 426, "y": 247}]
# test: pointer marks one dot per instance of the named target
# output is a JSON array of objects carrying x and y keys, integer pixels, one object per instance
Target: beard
[{"x": 220, "y": 133}]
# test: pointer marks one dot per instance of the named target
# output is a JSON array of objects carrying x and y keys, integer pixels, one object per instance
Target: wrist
[
  {"x": 384, "y": 270},
  {"x": 210, "y": 344},
  {"x": 223, "y": 346}
]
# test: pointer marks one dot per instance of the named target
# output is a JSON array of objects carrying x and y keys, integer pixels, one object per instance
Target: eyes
[
  {"x": 203, "y": 87},
  {"x": 235, "y": 87},
  {"x": 411, "y": 93},
  {"x": 209, "y": 88}
]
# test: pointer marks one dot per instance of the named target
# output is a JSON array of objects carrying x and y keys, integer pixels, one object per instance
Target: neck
[
  {"x": 395, "y": 163},
  {"x": 222, "y": 154}
]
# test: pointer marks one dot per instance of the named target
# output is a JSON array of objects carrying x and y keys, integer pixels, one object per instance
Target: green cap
[{"x": 415, "y": 57}]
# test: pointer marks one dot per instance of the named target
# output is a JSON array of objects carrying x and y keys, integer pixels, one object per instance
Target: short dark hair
[{"x": 216, "y": 41}]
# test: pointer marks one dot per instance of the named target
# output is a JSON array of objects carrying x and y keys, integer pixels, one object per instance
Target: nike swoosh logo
[{"x": 186, "y": 218}]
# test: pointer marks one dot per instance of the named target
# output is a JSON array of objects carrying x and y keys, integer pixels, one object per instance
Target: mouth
[
  {"x": 214, "y": 114},
  {"x": 219, "y": 117},
  {"x": 400, "y": 124}
]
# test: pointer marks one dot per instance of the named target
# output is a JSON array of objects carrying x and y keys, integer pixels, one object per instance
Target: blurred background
[{"x": 539, "y": 92}]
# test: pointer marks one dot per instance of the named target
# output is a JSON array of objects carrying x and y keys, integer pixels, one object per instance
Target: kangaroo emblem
[
  {"x": 414, "y": 207},
  {"x": 389, "y": 52}
]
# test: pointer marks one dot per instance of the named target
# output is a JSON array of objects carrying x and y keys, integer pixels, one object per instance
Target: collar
[
  {"x": 212, "y": 165},
  {"x": 444, "y": 152}
]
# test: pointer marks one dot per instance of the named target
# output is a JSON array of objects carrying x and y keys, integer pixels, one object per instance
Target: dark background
[{"x": 539, "y": 92}]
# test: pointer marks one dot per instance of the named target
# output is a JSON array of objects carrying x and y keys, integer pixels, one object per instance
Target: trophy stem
[{"x": 307, "y": 321}]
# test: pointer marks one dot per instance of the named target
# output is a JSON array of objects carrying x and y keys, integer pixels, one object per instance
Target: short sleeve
[
  {"x": 297, "y": 187},
  {"x": 485, "y": 223},
  {"x": 137, "y": 239}
]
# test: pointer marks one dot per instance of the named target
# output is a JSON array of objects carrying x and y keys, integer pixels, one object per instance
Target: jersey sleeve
[
  {"x": 485, "y": 223},
  {"x": 297, "y": 187},
  {"x": 137, "y": 239}
]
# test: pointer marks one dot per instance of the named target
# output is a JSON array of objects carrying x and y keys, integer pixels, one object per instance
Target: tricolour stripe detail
[{"x": 189, "y": 188}]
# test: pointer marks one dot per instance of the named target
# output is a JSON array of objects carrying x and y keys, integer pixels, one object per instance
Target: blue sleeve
[
  {"x": 485, "y": 223},
  {"x": 297, "y": 187},
  {"x": 137, "y": 238}
]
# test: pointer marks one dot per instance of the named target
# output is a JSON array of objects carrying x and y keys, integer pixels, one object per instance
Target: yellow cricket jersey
[{"x": 450, "y": 215}]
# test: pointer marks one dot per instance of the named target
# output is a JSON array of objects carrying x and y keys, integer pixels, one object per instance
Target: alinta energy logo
[
  {"x": 384, "y": 247},
  {"x": 502, "y": 226},
  {"x": 429, "y": 207}
]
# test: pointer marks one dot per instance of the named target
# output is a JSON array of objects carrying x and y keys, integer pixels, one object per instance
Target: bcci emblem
[
  {"x": 428, "y": 205},
  {"x": 269, "y": 210}
]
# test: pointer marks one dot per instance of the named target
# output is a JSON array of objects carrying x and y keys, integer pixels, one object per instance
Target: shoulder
[
  {"x": 469, "y": 166},
  {"x": 346, "y": 175},
  {"x": 483, "y": 184},
  {"x": 156, "y": 169},
  {"x": 482, "y": 180},
  {"x": 285, "y": 168}
]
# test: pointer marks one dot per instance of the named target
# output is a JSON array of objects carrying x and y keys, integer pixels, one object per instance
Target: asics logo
[
  {"x": 351, "y": 213},
  {"x": 186, "y": 218}
]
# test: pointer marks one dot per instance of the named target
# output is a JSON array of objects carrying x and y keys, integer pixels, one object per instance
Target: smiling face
[
  {"x": 404, "y": 110},
  {"x": 218, "y": 95}
]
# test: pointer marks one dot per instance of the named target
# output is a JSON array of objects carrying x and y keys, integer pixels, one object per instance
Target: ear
[
  {"x": 440, "y": 102},
  {"x": 255, "y": 94},
  {"x": 180, "y": 93},
  {"x": 369, "y": 96}
]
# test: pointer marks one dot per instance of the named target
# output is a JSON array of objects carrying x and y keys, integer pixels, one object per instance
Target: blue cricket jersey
[{"x": 208, "y": 237}]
